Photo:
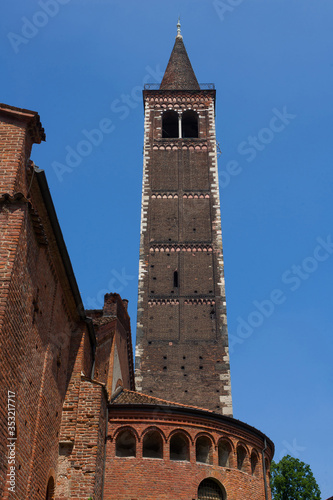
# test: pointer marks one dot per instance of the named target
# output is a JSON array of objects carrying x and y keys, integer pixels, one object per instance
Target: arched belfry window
[
  {"x": 152, "y": 445},
  {"x": 170, "y": 125},
  {"x": 210, "y": 490},
  {"x": 126, "y": 444},
  {"x": 190, "y": 124}
]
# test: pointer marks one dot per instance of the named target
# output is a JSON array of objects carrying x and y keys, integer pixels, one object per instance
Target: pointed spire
[{"x": 179, "y": 74}]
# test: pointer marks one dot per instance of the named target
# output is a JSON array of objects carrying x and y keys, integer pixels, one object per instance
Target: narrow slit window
[{"x": 175, "y": 279}]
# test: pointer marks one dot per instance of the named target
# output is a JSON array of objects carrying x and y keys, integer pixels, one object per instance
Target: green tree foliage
[{"x": 292, "y": 479}]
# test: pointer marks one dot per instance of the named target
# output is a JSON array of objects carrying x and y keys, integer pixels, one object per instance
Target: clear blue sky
[{"x": 82, "y": 63}]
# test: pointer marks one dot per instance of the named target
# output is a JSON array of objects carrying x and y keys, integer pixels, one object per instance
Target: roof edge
[
  {"x": 32, "y": 118},
  {"x": 45, "y": 192}
]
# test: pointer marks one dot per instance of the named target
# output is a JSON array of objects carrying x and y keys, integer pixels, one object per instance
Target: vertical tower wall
[{"x": 182, "y": 343}]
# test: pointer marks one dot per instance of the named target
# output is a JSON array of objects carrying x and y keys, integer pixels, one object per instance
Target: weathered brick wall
[
  {"x": 125, "y": 356},
  {"x": 37, "y": 314},
  {"x": 197, "y": 220},
  {"x": 183, "y": 364},
  {"x": 82, "y": 352},
  {"x": 197, "y": 277},
  {"x": 164, "y": 220},
  {"x": 105, "y": 352},
  {"x": 81, "y": 461},
  {"x": 165, "y": 162},
  {"x": 36, "y": 333},
  {"x": 83, "y": 426},
  {"x": 112, "y": 363},
  {"x": 15, "y": 149},
  {"x": 195, "y": 171},
  {"x": 151, "y": 478},
  {"x": 114, "y": 358}
]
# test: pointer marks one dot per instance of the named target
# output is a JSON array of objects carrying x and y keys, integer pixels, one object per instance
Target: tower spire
[{"x": 179, "y": 74}]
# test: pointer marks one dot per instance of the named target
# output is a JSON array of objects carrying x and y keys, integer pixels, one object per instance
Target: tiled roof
[
  {"x": 104, "y": 320},
  {"x": 179, "y": 74},
  {"x": 138, "y": 398}
]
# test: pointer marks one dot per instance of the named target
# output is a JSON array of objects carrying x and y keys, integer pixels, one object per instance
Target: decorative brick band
[
  {"x": 163, "y": 302},
  {"x": 199, "y": 302},
  {"x": 196, "y": 100},
  {"x": 181, "y": 248},
  {"x": 234, "y": 458},
  {"x": 164, "y": 196},
  {"x": 196, "y": 195},
  {"x": 168, "y": 145}
]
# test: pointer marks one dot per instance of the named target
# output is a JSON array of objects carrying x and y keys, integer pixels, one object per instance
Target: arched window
[
  {"x": 50, "y": 489},
  {"x": 254, "y": 463},
  {"x": 152, "y": 445},
  {"x": 190, "y": 124},
  {"x": 224, "y": 454},
  {"x": 126, "y": 444},
  {"x": 203, "y": 450},
  {"x": 170, "y": 124},
  {"x": 209, "y": 489},
  {"x": 241, "y": 454},
  {"x": 179, "y": 447}
]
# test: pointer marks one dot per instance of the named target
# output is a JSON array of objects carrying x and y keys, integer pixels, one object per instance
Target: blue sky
[{"x": 82, "y": 63}]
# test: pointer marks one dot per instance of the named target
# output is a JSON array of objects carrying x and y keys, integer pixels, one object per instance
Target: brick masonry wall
[
  {"x": 151, "y": 478},
  {"x": 15, "y": 148},
  {"x": 81, "y": 460},
  {"x": 184, "y": 364},
  {"x": 83, "y": 426},
  {"x": 40, "y": 329},
  {"x": 112, "y": 361},
  {"x": 35, "y": 346},
  {"x": 81, "y": 351},
  {"x": 181, "y": 304},
  {"x": 114, "y": 357}
]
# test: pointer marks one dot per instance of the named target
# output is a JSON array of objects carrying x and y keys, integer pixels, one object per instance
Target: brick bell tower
[{"x": 182, "y": 340}]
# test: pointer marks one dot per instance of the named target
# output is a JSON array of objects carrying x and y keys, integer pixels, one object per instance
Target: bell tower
[{"x": 182, "y": 340}]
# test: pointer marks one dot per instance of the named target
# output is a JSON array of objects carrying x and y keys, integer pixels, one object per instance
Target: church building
[{"x": 85, "y": 425}]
